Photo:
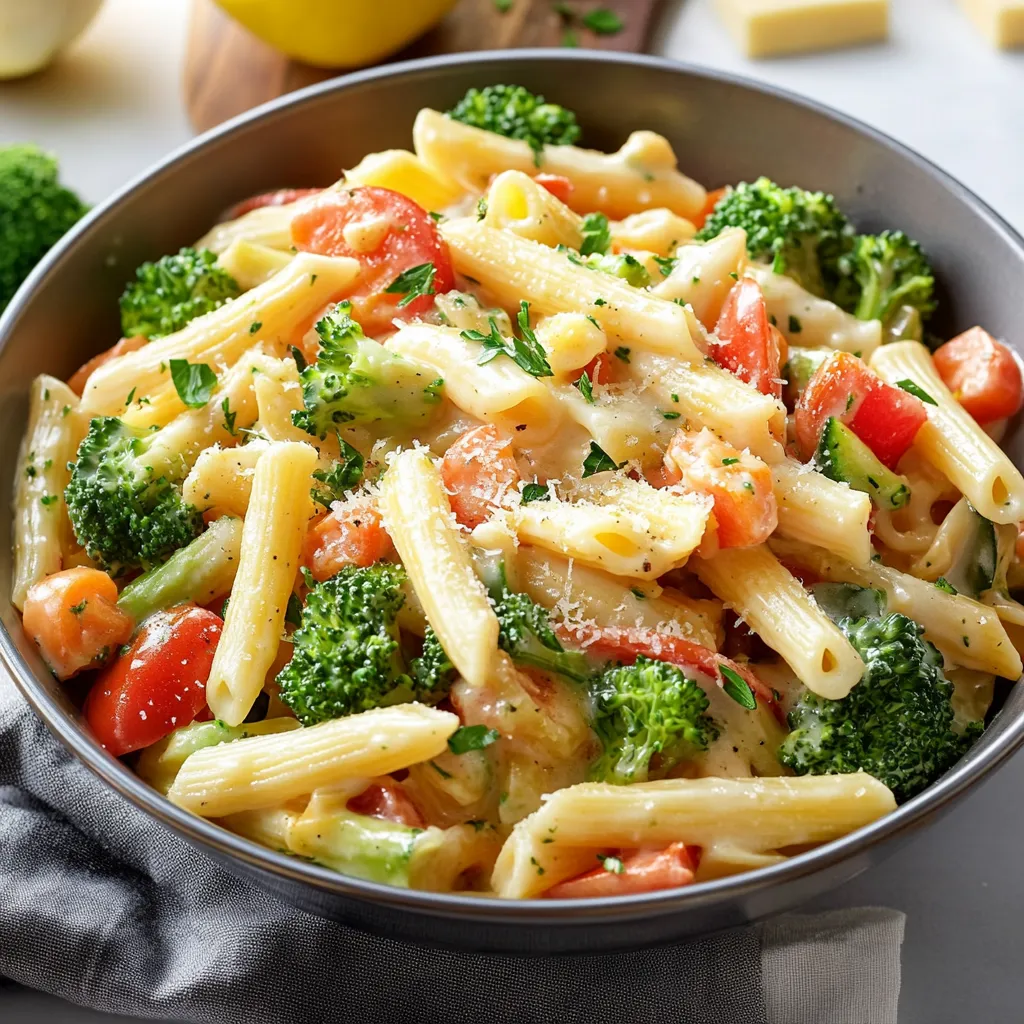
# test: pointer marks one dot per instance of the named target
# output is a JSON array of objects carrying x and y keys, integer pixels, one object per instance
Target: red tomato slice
[
  {"x": 747, "y": 346},
  {"x": 626, "y": 645},
  {"x": 388, "y": 800},
  {"x": 983, "y": 375},
  {"x": 557, "y": 184},
  {"x": 388, "y": 234},
  {"x": 885, "y": 418},
  {"x": 282, "y": 197},
  {"x": 709, "y": 204},
  {"x": 478, "y": 470},
  {"x": 159, "y": 684},
  {"x": 635, "y": 872}
]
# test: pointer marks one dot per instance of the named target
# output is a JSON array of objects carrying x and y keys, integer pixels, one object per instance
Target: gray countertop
[{"x": 936, "y": 86}]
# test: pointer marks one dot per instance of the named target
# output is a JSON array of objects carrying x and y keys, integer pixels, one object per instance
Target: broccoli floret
[
  {"x": 168, "y": 294},
  {"x": 35, "y": 210},
  {"x": 897, "y": 722},
  {"x": 517, "y": 113},
  {"x": 126, "y": 506},
  {"x": 646, "y": 709},
  {"x": 347, "y": 655},
  {"x": 802, "y": 234},
  {"x": 882, "y": 274},
  {"x": 525, "y": 633},
  {"x": 355, "y": 380}
]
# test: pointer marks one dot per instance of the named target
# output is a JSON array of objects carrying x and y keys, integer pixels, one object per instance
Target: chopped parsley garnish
[
  {"x": 77, "y": 609},
  {"x": 472, "y": 737},
  {"x": 666, "y": 264},
  {"x": 293, "y": 613},
  {"x": 731, "y": 461},
  {"x": 598, "y": 461},
  {"x": 738, "y": 688},
  {"x": 597, "y": 235},
  {"x": 343, "y": 475},
  {"x": 622, "y": 353},
  {"x": 943, "y": 584},
  {"x": 194, "y": 382},
  {"x": 413, "y": 283},
  {"x": 526, "y": 352},
  {"x": 229, "y": 416},
  {"x": 535, "y": 492},
  {"x": 255, "y": 326},
  {"x": 586, "y": 388},
  {"x": 916, "y": 390},
  {"x": 671, "y": 415}
]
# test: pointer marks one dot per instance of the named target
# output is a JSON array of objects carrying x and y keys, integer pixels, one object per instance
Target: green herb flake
[
  {"x": 671, "y": 415},
  {"x": 293, "y": 613},
  {"x": 229, "y": 416},
  {"x": 731, "y": 461},
  {"x": 622, "y": 353},
  {"x": 131, "y": 395},
  {"x": 255, "y": 326},
  {"x": 413, "y": 283},
  {"x": 535, "y": 492},
  {"x": 613, "y": 865},
  {"x": 916, "y": 390},
  {"x": 586, "y": 387},
  {"x": 48, "y": 499},
  {"x": 341, "y": 477},
  {"x": 194, "y": 382},
  {"x": 666, "y": 264},
  {"x": 795, "y": 327},
  {"x": 738, "y": 688},
  {"x": 440, "y": 771},
  {"x": 600, "y": 302},
  {"x": 472, "y": 737},
  {"x": 77, "y": 609},
  {"x": 526, "y": 352},
  {"x": 596, "y": 233},
  {"x": 598, "y": 461},
  {"x": 944, "y": 585},
  {"x": 638, "y": 593}
]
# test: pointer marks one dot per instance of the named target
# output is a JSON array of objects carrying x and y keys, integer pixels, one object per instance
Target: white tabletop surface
[{"x": 112, "y": 106}]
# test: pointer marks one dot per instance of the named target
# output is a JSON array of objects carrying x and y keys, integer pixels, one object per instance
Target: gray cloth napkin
[{"x": 104, "y": 907}]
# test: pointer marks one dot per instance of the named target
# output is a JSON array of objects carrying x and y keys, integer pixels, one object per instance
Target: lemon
[{"x": 337, "y": 33}]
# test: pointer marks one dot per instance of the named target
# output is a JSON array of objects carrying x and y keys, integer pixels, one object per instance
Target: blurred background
[{"x": 144, "y": 72}]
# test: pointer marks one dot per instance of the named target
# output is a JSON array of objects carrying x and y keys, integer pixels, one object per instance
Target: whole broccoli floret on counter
[
  {"x": 517, "y": 113},
  {"x": 802, "y": 234},
  {"x": 35, "y": 211},
  {"x": 646, "y": 709},
  {"x": 884, "y": 273},
  {"x": 348, "y": 656},
  {"x": 355, "y": 380},
  {"x": 897, "y": 722},
  {"x": 124, "y": 498},
  {"x": 165, "y": 296}
]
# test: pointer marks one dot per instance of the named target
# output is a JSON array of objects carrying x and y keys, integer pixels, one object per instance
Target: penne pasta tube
[
  {"x": 571, "y": 341},
  {"x": 760, "y": 816},
  {"x": 514, "y": 268},
  {"x": 773, "y": 603},
  {"x": 404, "y": 172},
  {"x": 967, "y": 632},
  {"x": 220, "y": 338},
  {"x": 417, "y": 515},
  {"x": 516, "y": 203},
  {"x": 42, "y": 532},
  {"x": 817, "y": 510},
  {"x": 659, "y": 231},
  {"x": 952, "y": 441},
  {"x": 267, "y": 771},
  {"x": 222, "y": 478},
  {"x": 275, "y": 526},
  {"x": 252, "y": 264},
  {"x": 704, "y": 274}
]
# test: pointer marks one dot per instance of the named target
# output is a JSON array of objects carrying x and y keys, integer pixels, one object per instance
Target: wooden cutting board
[{"x": 228, "y": 70}]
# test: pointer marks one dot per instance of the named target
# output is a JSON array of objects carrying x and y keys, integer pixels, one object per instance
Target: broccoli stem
[{"x": 199, "y": 572}]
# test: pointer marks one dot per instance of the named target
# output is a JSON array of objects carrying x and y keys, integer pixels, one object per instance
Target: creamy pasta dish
[{"x": 518, "y": 518}]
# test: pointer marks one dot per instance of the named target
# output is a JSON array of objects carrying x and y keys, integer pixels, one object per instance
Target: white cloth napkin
[{"x": 104, "y": 907}]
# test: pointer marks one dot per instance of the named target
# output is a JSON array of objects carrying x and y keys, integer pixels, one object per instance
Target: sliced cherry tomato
[
  {"x": 78, "y": 379},
  {"x": 388, "y": 800},
  {"x": 709, "y": 204},
  {"x": 983, "y": 375},
  {"x": 557, "y": 184},
  {"x": 478, "y": 471},
  {"x": 388, "y": 234},
  {"x": 885, "y": 418},
  {"x": 282, "y": 197},
  {"x": 739, "y": 483},
  {"x": 747, "y": 346},
  {"x": 599, "y": 369},
  {"x": 351, "y": 534},
  {"x": 626, "y": 645},
  {"x": 159, "y": 684},
  {"x": 629, "y": 873},
  {"x": 74, "y": 619}
]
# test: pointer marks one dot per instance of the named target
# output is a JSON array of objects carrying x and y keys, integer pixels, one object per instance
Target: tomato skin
[
  {"x": 709, "y": 204},
  {"x": 626, "y": 645},
  {"x": 388, "y": 800},
  {"x": 477, "y": 470},
  {"x": 747, "y": 346},
  {"x": 557, "y": 184},
  {"x": 983, "y": 375},
  {"x": 352, "y": 533},
  {"x": 642, "y": 871},
  {"x": 159, "y": 684},
  {"x": 739, "y": 483},
  {"x": 280, "y": 197},
  {"x": 885, "y": 418},
  {"x": 408, "y": 237},
  {"x": 74, "y": 620}
]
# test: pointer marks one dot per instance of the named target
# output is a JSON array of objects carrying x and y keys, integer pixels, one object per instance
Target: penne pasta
[
  {"x": 704, "y": 273},
  {"x": 518, "y": 204},
  {"x": 404, "y": 172}
]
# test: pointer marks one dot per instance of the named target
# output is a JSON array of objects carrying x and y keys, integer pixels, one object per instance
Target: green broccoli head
[
  {"x": 897, "y": 722},
  {"x": 355, "y": 380},
  {"x": 126, "y": 512},
  {"x": 347, "y": 655},
  {"x": 645, "y": 709},
  {"x": 884, "y": 273},
  {"x": 35, "y": 211},
  {"x": 802, "y": 234},
  {"x": 517, "y": 113},
  {"x": 165, "y": 296}
]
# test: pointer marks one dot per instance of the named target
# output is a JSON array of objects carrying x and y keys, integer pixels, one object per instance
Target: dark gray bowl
[{"x": 724, "y": 130}]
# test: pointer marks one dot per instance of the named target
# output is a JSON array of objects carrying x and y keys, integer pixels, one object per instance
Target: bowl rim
[{"x": 211, "y": 838}]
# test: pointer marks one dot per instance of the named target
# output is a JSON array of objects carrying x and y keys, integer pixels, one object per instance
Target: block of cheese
[
  {"x": 768, "y": 28},
  {"x": 1000, "y": 21}
]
